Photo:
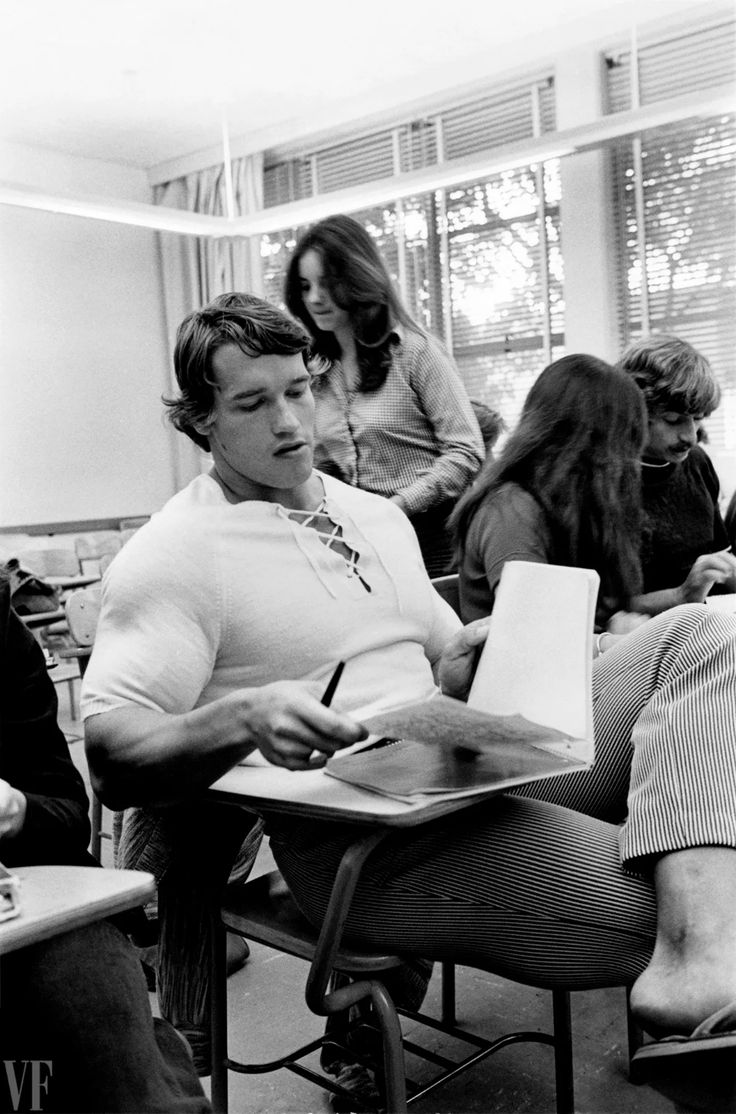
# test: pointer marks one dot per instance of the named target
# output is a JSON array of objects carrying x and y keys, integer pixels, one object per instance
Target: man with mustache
[{"x": 684, "y": 539}]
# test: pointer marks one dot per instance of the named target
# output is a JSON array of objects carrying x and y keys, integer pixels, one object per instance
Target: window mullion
[
  {"x": 444, "y": 242},
  {"x": 400, "y": 227},
  {"x": 641, "y": 232},
  {"x": 543, "y": 245}
]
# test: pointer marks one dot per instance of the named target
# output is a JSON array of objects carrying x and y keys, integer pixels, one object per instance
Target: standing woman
[
  {"x": 565, "y": 490},
  {"x": 392, "y": 415}
]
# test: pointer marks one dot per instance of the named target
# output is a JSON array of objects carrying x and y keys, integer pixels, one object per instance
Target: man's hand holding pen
[{"x": 293, "y": 726}]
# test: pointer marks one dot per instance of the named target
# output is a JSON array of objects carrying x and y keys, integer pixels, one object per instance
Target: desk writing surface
[
  {"x": 44, "y": 618},
  {"x": 315, "y": 795},
  {"x": 79, "y": 581},
  {"x": 56, "y": 899}
]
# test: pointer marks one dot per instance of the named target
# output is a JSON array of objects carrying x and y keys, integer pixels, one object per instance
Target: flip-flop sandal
[
  {"x": 696, "y": 1071},
  {"x": 715, "y": 1033}
]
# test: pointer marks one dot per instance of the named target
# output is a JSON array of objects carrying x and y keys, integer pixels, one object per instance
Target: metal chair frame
[
  {"x": 248, "y": 911},
  {"x": 82, "y": 611}
]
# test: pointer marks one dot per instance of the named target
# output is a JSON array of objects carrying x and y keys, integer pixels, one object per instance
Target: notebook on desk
[{"x": 529, "y": 712}]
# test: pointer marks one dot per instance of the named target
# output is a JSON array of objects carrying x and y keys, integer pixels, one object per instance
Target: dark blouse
[
  {"x": 682, "y": 519},
  {"x": 508, "y": 526}
]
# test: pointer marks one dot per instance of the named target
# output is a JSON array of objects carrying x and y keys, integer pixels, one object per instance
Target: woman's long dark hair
[
  {"x": 359, "y": 282},
  {"x": 576, "y": 450}
]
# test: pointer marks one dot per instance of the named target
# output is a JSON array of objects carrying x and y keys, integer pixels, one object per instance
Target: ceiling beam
[{"x": 135, "y": 213}]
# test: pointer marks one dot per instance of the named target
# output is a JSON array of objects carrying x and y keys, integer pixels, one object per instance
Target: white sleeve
[
  {"x": 444, "y": 623},
  {"x": 158, "y": 632}
]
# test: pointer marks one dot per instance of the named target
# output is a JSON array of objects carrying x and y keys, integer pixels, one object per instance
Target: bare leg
[{"x": 692, "y": 972}]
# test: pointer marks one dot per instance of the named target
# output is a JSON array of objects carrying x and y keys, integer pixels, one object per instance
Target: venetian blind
[
  {"x": 675, "y": 205},
  {"x": 502, "y": 115}
]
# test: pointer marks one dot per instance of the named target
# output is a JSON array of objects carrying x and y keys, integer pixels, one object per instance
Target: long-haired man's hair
[
  {"x": 672, "y": 375},
  {"x": 359, "y": 283},
  {"x": 576, "y": 450}
]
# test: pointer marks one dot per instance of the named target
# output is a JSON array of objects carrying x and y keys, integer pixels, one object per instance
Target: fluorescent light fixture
[
  {"x": 118, "y": 212},
  {"x": 553, "y": 145},
  {"x": 526, "y": 152}
]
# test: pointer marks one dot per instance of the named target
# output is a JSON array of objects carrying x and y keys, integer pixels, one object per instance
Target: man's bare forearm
[
  {"x": 138, "y": 756},
  {"x": 141, "y": 757}
]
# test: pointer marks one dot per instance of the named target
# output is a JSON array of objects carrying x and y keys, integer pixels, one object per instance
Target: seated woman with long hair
[{"x": 565, "y": 490}]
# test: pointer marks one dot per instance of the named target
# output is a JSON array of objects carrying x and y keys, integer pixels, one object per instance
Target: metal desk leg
[
  {"x": 564, "y": 1083},
  {"x": 317, "y": 994},
  {"x": 95, "y": 843},
  {"x": 218, "y": 1000},
  {"x": 449, "y": 1016}
]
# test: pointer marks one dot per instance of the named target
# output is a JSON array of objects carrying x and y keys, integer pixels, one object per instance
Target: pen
[{"x": 332, "y": 684}]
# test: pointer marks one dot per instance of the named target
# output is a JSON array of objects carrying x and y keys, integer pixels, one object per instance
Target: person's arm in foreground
[{"x": 43, "y": 803}]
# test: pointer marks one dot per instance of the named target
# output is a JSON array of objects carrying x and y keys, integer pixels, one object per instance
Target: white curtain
[{"x": 194, "y": 269}]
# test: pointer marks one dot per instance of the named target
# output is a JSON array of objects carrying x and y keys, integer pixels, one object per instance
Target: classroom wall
[{"x": 83, "y": 356}]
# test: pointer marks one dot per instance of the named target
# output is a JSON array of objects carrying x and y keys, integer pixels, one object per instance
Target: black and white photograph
[{"x": 368, "y": 557}]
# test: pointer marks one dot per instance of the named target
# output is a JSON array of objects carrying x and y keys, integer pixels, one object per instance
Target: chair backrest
[
  {"x": 91, "y": 547},
  {"x": 82, "y": 613},
  {"x": 105, "y": 561},
  {"x": 50, "y": 562},
  {"x": 448, "y": 587},
  {"x": 130, "y": 526}
]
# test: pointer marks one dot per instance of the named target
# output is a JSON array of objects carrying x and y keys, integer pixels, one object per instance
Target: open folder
[{"x": 529, "y": 712}]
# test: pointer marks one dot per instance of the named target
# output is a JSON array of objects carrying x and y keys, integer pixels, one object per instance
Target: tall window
[
  {"x": 505, "y": 279},
  {"x": 480, "y": 264},
  {"x": 675, "y": 205}
]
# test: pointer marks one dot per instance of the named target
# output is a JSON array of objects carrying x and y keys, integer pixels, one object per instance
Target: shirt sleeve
[
  {"x": 509, "y": 526},
  {"x": 444, "y": 400},
  {"x": 444, "y": 624},
  {"x": 158, "y": 631}
]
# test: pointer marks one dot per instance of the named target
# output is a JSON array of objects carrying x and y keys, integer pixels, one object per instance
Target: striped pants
[{"x": 531, "y": 885}]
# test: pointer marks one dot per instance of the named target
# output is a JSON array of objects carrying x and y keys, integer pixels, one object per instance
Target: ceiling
[{"x": 144, "y": 82}]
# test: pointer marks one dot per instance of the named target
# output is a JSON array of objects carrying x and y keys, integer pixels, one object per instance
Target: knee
[{"x": 693, "y": 637}]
